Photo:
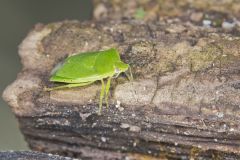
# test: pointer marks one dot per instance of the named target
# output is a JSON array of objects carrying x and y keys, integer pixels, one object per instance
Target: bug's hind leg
[
  {"x": 107, "y": 91},
  {"x": 67, "y": 86},
  {"x": 101, "y": 97}
]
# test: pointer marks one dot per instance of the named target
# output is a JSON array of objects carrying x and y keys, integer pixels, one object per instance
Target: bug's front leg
[
  {"x": 101, "y": 97},
  {"x": 130, "y": 77},
  {"x": 107, "y": 90}
]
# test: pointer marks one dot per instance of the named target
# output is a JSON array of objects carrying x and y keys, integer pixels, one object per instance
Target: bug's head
[
  {"x": 120, "y": 67},
  {"x": 123, "y": 67}
]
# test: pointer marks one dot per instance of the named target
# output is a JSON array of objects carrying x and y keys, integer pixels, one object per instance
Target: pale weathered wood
[
  {"x": 184, "y": 98},
  {"x": 183, "y": 103},
  {"x": 155, "y": 10}
]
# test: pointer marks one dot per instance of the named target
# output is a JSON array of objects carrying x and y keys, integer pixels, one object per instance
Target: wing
[
  {"x": 77, "y": 66},
  {"x": 85, "y": 67}
]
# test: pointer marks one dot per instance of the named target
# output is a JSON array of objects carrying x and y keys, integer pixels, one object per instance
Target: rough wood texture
[
  {"x": 25, "y": 155},
  {"x": 217, "y": 10},
  {"x": 184, "y": 101}
]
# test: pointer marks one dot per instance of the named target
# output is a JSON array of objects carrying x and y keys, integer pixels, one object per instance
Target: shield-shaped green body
[{"x": 85, "y": 68}]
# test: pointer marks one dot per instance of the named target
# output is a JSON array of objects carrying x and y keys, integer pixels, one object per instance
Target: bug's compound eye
[{"x": 117, "y": 70}]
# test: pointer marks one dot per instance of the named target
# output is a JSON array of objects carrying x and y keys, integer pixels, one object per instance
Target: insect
[{"x": 85, "y": 68}]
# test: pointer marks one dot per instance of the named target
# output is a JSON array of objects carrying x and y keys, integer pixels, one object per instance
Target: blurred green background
[{"x": 17, "y": 18}]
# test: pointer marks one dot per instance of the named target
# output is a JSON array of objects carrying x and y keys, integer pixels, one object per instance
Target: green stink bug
[{"x": 85, "y": 68}]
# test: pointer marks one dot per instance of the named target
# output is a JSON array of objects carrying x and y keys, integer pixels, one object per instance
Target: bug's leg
[
  {"x": 130, "y": 70},
  {"x": 68, "y": 86},
  {"x": 101, "y": 97},
  {"x": 107, "y": 90},
  {"x": 130, "y": 77}
]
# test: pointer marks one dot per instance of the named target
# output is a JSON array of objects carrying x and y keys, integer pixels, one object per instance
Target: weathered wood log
[
  {"x": 184, "y": 100},
  {"x": 27, "y": 155},
  {"x": 154, "y": 10}
]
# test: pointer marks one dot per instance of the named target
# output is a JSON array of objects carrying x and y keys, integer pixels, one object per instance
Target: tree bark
[{"x": 183, "y": 102}]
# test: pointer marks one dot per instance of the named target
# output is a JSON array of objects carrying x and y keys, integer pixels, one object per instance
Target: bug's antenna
[{"x": 130, "y": 77}]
